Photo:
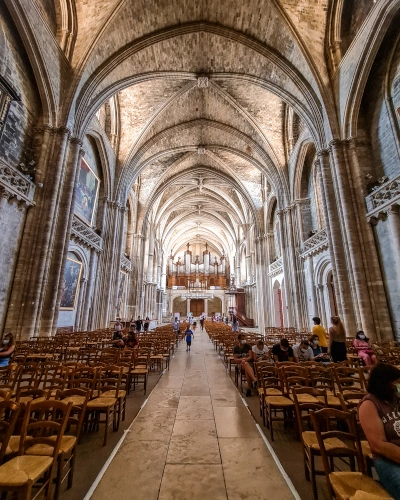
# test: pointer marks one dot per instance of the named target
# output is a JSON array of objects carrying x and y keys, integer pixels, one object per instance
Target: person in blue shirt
[{"x": 189, "y": 337}]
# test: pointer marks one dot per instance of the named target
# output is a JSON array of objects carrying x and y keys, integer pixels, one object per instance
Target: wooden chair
[
  {"x": 139, "y": 372},
  {"x": 349, "y": 379},
  {"x": 343, "y": 485},
  {"x": 104, "y": 405},
  {"x": 276, "y": 403},
  {"x": 41, "y": 436},
  {"x": 9, "y": 412},
  {"x": 66, "y": 459}
]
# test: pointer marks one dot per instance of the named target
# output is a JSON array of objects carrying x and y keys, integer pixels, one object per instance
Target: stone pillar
[
  {"x": 187, "y": 307},
  {"x": 89, "y": 289},
  {"x": 357, "y": 272},
  {"x": 336, "y": 250},
  {"x": 38, "y": 240},
  {"x": 371, "y": 271},
  {"x": 394, "y": 227},
  {"x": 313, "y": 307},
  {"x": 62, "y": 239},
  {"x": 78, "y": 314}
]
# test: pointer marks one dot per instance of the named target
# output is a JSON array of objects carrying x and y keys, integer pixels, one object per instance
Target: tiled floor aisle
[{"x": 194, "y": 439}]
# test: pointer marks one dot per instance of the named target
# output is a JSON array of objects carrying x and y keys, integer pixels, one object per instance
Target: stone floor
[{"x": 194, "y": 439}]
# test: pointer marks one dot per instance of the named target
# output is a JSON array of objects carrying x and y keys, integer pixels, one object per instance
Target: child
[{"x": 189, "y": 336}]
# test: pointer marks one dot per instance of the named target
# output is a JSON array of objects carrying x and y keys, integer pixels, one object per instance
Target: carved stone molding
[
  {"x": 276, "y": 267},
  {"x": 15, "y": 184},
  {"x": 126, "y": 264},
  {"x": 202, "y": 82},
  {"x": 85, "y": 235},
  {"x": 315, "y": 245},
  {"x": 381, "y": 200}
]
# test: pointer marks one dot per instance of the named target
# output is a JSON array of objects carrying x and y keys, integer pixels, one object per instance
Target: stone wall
[
  {"x": 23, "y": 116},
  {"x": 12, "y": 217}
]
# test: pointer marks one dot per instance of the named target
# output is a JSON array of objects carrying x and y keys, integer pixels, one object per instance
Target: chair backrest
[
  {"x": 347, "y": 443},
  {"x": 110, "y": 379},
  {"x": 269, "y": 379},
  {"x": 78, "y": 411},
  {"x": 84, "y": 378},
  {"x": 32, "y": 394},
  {"x": 9, "y": 412},
  {"x": 44, "y": 424},
  {"x": 321, "y": 377},
  {"x": 349, "y": 379}
]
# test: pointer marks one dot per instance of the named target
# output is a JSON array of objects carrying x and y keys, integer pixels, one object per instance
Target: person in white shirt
[
  {"x": 303, "y": 352},
  {"x": 260, "y": 351}
]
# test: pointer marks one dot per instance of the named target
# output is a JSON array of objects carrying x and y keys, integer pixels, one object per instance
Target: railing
[
  {"x": 244, "y": 319},
  {"x": 316, "y": 244},
  {"x": 276, "y": 267},
  {"x": 126, "y": 263},
  {"x": 86, "y": 235},
  {"x": 387, "y": 194},
  {"x": 15, "y": 184}
]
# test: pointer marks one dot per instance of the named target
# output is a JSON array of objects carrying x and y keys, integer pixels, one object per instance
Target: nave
[{"x": 194, "y": 439}]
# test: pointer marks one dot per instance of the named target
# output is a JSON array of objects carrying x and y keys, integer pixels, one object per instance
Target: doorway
[{"x": 197, "y": 307}]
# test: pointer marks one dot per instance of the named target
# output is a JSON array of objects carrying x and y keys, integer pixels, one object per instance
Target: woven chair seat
[
  {"x": 111, "y": 394},
  {"x": 310, "y": 440},
  {"x": 333, "y": 401},
  {"x": 279, "y": 401},
  {"x": 75, "y": 400},
  {"x": 44, "y": 450},
  {"x": 305, "y": 398},
  {"x": 19, "y": 470},
  {"x": 270, "y": 392},
  {"x": 347, "y": 484},
  {"x": 101, "y": 403}
]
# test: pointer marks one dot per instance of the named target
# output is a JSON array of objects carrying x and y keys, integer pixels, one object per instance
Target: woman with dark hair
[
  {"x": 337, "y": 340},
  {"x": 146, "y": 324},
  {"x": 6, "y": 349},
  {"x": 379, "y": 415},
  {"x": 235, "y": 324},
  {"x": 364, "y": 351}
]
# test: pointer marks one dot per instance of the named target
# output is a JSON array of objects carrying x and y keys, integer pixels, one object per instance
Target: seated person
[
  {"x": 282, "y": 351},
  {"x": 364, "y": 351},
  {"x": 379, "y": 416},
  {"x": 303, "y": 352},
  {"x": 117, "y": 340},
  {"x": 132, "y": 341},
  {"x": 319, "y": 354},
  {"x": 243, "y": 357},
  {"x": 260, "y": 351}
]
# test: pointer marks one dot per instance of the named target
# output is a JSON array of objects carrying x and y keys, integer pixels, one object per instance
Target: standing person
[
  {"x": 138, "y": 324},
  {"x": 337, "y": 340},
  {"x": 189, "y": 336},
  {"x": 6, "y": 349},
  {"x": 194, "y": 323},
  {"x": 379, "y": 416},
  {"x": 235, "y": 324},
  {"x": 118, "y": 325},
  {"x": 319, "y": 330},
  {"x": 243, "y": 356},
  {"x": 364, "y": 351},
  {"x": 202, "y": 323},
  {"x": 146, "y": 324},
  {"x": 175, "y": 326}
]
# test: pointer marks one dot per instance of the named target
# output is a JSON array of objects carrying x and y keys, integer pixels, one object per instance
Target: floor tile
[
  {"x": 249, "y": 458},
  {"x": 195, "y": 408},
  {"x": 234, "y": 422},
  {"x": 192, "y": 482},
  {"x": 194, "y": 442},
  {"x": 138, "y": 467}
]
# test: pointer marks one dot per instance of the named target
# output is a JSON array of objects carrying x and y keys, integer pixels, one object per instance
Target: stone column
[
  {"x": 89, "y": 289},
  {"x": 313, "y": 308},
  {"x": 394, "y": 227},
  {"x": 369, "y": 259},
  {"x": 187, "y": 307},
  {"x": 62, "y": 239},
  {"x": 357, "y": 272},
  {"x": 36, "y": 250},
  {"x": 336, "y": 250},
  {"x": 82, "y": 290}
]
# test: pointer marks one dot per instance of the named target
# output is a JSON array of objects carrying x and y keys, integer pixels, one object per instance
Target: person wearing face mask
[
  {"x": 6, "y": 349},
  {"x": 303, "y": 352},
  {"x": 379, "y": 416},
  {"x": 364, "y": 351},
  {"x": 243, "y": 357},
  {"x": 319, "y": 354},
  {"x": 282, "y": 351}
]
